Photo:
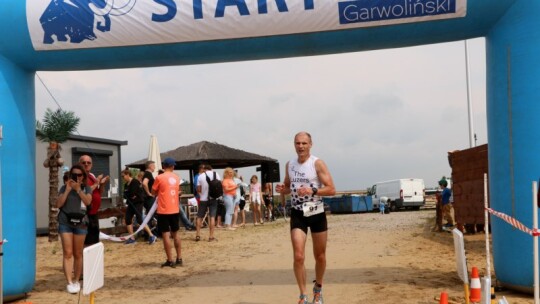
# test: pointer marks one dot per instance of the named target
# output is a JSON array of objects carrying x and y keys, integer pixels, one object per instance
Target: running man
[{"x": 307, "y": 179}]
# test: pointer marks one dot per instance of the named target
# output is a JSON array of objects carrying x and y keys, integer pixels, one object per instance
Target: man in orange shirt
[{"x": 167, "y": 188}]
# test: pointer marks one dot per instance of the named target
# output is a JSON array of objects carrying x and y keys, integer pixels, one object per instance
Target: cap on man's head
[
  {"x": 169, "y": 162},
  {"x": 443, "y": 182}
]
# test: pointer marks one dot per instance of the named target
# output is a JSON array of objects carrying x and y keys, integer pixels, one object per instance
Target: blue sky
[{"x": 374, "y": 115}]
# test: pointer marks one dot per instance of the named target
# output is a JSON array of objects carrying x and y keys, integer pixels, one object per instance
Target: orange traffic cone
[
  {"x": 444, "y": 298},
  {"x": 476, "y": 287}
]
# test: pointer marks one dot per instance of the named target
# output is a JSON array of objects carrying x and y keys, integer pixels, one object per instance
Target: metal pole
[
  {"x": 488, "y": 292},
  {"x": 486, "y": 228},
  {"x": 535, "y": 242},
  {"x": 469, "y": 99}
]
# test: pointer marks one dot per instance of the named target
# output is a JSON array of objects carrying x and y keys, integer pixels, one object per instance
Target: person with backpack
[{"x": 210, "y": 190}]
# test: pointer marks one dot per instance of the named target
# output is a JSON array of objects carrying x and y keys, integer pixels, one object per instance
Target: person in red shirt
[
  {"x": 97, "y": 184},
  {"x": 167, "y": 188}
]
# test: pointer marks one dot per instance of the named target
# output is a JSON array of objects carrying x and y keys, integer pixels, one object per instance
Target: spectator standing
[
  {"x": 238, "y": 199},
  {"x": 183, "y": 217},
  {"x": 74, "y": 198},
  {"x": 97, "y": 185},
  {"x": 382, "y": 204},
  {"x": 229, "y": 192},
  {"x": 167, "y": 188},
  {"x": 446, "y": 203},
  {"x": 255, "y": 196},
  {"x": 147, "y": 183},
  {"x": 206, "y": 203},
  {"x": 268, "y": 201}
]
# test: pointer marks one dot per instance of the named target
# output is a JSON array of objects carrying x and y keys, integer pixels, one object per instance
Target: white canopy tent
[{"x": 153, "y": 154}]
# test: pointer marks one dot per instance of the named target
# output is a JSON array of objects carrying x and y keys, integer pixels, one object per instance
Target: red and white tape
[
  {"x": 515, "y": 223},
  {"x": 147, "y": 218},
  {"x": 2, "y": 242}
]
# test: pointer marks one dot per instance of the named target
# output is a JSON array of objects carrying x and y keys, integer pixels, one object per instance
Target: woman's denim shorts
[{"x": 63, "y": 228}]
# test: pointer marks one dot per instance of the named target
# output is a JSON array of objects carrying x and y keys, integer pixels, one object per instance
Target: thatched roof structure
[{"x": 217, "y": 155}]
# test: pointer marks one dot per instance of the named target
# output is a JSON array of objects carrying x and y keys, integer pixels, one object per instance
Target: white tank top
[{"x": 303, "y": 175}]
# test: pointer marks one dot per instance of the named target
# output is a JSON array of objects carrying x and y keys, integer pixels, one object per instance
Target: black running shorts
[
  {"x": 316, "y": 223},
  {"x": 168, "y": 222}
]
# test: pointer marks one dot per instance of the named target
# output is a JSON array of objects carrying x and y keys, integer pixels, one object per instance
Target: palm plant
[{"x": 55, "y": 129}]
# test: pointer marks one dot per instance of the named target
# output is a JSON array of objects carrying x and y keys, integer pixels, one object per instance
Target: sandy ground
[{"x": 372, "y": 258}]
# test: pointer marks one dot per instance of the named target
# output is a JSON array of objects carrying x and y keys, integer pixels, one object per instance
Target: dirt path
[{"x": 372, "y": 258}]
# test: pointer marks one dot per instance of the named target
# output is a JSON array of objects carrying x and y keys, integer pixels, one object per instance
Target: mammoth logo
[{"x": 75, "y": 18}]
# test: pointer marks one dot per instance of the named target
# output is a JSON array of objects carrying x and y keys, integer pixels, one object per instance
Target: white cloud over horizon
[{"x": 374, "y": 115}]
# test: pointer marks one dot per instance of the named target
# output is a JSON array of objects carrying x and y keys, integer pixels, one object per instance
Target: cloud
[{"x": 374, "y": 115}]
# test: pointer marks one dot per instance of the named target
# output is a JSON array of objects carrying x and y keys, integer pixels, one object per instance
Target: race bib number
[{"x": 312, "y": 208}]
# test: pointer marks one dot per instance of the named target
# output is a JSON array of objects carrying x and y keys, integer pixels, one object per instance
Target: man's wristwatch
[{"x": 314, "y": 191}]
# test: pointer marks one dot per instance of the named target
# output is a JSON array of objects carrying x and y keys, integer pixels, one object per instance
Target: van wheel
[
  {"x": 416, "y": 208},
  {"x": 393, "y": 207}
]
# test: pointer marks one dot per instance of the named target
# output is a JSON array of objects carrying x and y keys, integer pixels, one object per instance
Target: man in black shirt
[{"x": 147, "y": 183}]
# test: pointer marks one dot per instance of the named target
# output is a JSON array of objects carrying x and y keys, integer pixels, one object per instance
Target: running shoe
[
  {"x": 168, "y": 264},
  {"x": 152, "y": 239},
  {"x": 77, "y": 286},
  {"x": 179, "y": 262},
  {"x": 317, "y": 294},
  {"x": 303, "y": 299},
  {"x": 73, "y": 288},
  {"x": 130, "y": 241}
]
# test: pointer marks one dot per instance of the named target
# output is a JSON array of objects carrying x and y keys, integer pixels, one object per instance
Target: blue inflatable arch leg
[
  {"x": 513, "y": 53},
  {"x": 17, "y": 114},
  {"x": 513, "y": 110}
]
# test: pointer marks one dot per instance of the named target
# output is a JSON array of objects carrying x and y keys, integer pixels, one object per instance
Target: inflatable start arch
[{"x": 104, "y": 34}]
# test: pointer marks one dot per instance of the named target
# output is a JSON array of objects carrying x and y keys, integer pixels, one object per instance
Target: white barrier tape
[
  {"x": 147, "y": 218},
  {"x": 515, "y": 223}
]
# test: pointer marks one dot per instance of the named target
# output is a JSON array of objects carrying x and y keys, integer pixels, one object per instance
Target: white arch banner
[{"x": 73, "y": 24}]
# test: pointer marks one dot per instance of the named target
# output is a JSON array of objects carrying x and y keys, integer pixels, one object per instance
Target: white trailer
[{"x": 400, "y": 193}]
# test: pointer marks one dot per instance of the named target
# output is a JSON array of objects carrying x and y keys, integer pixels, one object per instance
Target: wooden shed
[{"x": 468, "y": 168}]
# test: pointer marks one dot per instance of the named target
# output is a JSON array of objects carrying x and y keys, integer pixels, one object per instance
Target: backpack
[{"x": 215, "y": 189}]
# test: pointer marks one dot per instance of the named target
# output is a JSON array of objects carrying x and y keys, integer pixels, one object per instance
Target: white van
[{"x": 401, "y": 193}]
